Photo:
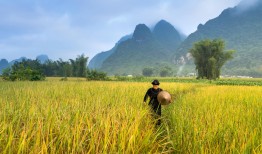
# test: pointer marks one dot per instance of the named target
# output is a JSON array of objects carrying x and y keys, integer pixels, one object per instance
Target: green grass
[{"x": 222, "y": 81}]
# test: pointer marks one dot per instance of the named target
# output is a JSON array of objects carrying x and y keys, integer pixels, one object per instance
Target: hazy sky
[{"x": 67, "y": 28}]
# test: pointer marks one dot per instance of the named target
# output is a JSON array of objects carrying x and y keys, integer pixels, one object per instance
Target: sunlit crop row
[{"x": 109, "y": 117}]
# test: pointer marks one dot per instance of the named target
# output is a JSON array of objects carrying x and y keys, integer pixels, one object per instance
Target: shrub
[{"x": 96, "y": 75}]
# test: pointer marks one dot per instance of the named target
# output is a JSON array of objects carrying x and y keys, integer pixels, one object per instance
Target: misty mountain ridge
[
  {"x": 146, "y": 48},
  {"x": 241, "y": 30},
  {"x": 166, "y": 34},
  {"x": 97, "y": 61}
]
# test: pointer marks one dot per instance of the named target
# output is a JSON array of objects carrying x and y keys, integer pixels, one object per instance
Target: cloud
[
  {"x": 117, "y": 20},
  {"x": 246, "y": 4},
  {"x": 65, "y": 28}
]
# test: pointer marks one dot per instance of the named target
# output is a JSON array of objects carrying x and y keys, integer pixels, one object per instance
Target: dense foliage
[
  {"x": 26, "y": 70},
  {"x": 147, "y": 71},
  {"x": 34, "y": 70},
  {"x": 71, "y": 68},
  {"x": 209, "y": 57},
  {"x": 161, "y": 70},
  {"x": 96, "y": 75}
]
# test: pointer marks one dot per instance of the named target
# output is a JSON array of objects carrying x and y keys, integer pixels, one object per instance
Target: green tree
[
  {"x": 68, "y": 70},
  {"x": 50, "y": 68},
  {"x": 6, "y": 73},
  {"x": 74, "y": 67},
  {"x": 25, "y": 70},
  {"x": 96, "y": 75},
  {"x": 209, "y": 57},
  {"x": 79, "y": 66},
  {"x": 147, "y": 71},
  {"x": 165, "y": 71},
  {"x": 82, "y": 63},
  {"x": 64, "y": 68}
]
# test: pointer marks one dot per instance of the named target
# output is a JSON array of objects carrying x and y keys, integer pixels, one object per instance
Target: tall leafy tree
[
  {"x": 81, "y": 62},
  {"x": 25, "y": 70},
  {"x": 165, "y": 71},
  {"x": 64, "y": 68},
  {"x": 209, "y": 57},
  {"x": 147, "y": 71},
  {"x": 79, "y": 66},
  {"x": 50, "y": 68},
  {"x": 74, "y": 67},
  {"x": 6, "y": 73}
]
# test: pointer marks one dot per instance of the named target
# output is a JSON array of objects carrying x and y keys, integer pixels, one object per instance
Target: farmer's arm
[{"x": 146, "y": 96}]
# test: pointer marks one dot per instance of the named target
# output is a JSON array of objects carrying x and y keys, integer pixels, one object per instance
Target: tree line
[
  {"x": 162, "y": 71},
  {"x": 33, "y": 70},
  {"x": 71, "y": 68}
]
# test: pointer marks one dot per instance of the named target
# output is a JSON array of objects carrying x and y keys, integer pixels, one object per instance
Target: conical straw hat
[{"x": 164, "y": 98}]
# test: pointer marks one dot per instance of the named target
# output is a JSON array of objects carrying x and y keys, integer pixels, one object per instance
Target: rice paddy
[{"x": 79, "y": 116}]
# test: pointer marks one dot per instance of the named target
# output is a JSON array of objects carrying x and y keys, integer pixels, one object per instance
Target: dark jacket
[{"x": 152, "y": 94}]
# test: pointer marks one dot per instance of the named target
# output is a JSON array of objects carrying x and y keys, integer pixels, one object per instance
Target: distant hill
[
  {"x": 17, "y": 60},
  {"x": 97, "y": 61},
  {"x": 3, "y": 65},
  {"x": 241, "y": 28},
  {"x": 42, "y": 58},
  {"x": 145, "y": 48},
  {"x": 167, "y": 35}
]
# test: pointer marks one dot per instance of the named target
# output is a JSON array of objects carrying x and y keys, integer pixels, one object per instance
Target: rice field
[{"x": 79, "y": 116}]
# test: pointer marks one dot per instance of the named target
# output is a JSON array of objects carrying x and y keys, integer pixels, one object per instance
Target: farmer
[{"x": 153, "y": 103}]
